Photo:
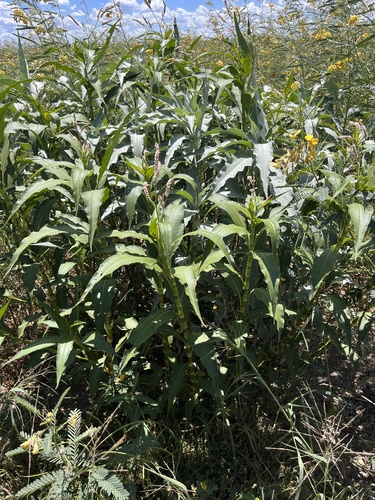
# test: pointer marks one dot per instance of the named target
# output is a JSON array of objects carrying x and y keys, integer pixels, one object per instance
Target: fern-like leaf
[
  {"x": 110, "y": 483},
  {"x": 41, "y": 482}
]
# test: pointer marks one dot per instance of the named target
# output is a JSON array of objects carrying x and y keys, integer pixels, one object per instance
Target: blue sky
[{"x": 192, "y": 15}]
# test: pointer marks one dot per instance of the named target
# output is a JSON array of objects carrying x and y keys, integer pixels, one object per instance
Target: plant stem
[
  {"x": 246, "y": 286},
  {"x": 184, "y": 328}
]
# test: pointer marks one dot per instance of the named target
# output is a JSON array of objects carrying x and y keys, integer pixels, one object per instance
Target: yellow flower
[
  {"x": 26, "y": 445},
  {"x": 295, "y": 134},
  {"x": 33, "y": 443},
  {"x": 353, "y": 21},
  {"x": 294, "y": 86},
  {"x": 20, "y": 16},
  {"x": 312, "y": 141},
  {"x": 339, "y": 65},
  {"x": 219, "y": 63},
  {"x": 39, "y": 30},
  {"x": 321, "y": 35}
]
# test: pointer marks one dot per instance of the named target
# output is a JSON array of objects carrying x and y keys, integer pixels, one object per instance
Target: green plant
[
  {"x": 77, "y": 457},
  {"x": 185, "y": 241}
]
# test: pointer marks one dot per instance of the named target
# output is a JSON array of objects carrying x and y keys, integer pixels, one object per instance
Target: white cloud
[
  {"x": 78, "y": 13},
  {"x": 194, "y": 20}
]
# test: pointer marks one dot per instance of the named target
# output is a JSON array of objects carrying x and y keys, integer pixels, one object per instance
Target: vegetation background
[{"x": 187, "y": 256}]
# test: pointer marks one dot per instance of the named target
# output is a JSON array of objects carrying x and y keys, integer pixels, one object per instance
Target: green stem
[
  {"x": 185, "y": 330},
  {"x": 246, "y": 286},
  {"x": 165, "y": 338}
]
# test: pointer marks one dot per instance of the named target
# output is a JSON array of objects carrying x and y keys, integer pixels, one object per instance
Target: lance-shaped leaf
[
  {"x": 114, "y": 147},
  {"x": 98, "y": 342},
  {"x": 204, "y": 348},
  {"x": 131, "y": 201},
  {"x": 322, "y": 266},
  {"x": 93, "y": 201},
  {"x": 245, "y": 46},
  {"x": 102, "y": 296},
  {"x": 24, "y": 68},
  {"x": 176, "y": 382},
  {"x": 35, "y": 188},
  {"x": 171, "y": 229},
  {"x": 64, "y": 350},
  {"x": 37, "y": 345},
  {"x": 110, "y": 265},
  {"x": 273, "y": 231},
  {"x": 263, "y": 156},
  {"x": 237, "y": 163},
  {"x": 271, "y": 271},
  {"x": 361, "y": 218},
  {"x": 78, "y": 178},
  {"x": 188, "y": 277},
  {"x": 31, "y": 239},
  {"x": 149, "y": 325}
]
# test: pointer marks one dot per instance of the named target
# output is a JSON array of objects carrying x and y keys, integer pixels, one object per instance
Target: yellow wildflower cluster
[
  {"x": 219, "y": 63},
  {"x": 303, "y": 152},
  {"x": 294, "y": 86},
  {"x": 39, "y": 30},
  {"x": 311, "y": 143},
  {"x": 32, "y": 444},
  {"x": 291, "y": 158},
  {"x": 321, "y": 35},
  {"x": 362, "y": 37},
  {"x": 353, "y": 20},
  {"x": 295, "y": 134},
  {"x": 20, "y": 17},
  {"x": 339, "y": 65},
  {"x": 63, "y": 59}
]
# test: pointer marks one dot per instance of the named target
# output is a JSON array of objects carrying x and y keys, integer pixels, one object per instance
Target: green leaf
[
  {"x": 361, "y": 218},
  {"x": 273, "y": 231},
  {"x": 64, "y": 348},
  {"x": 131, "y": 201},
  {"x": 322, "y": 266},
  {"x": 176, "y": 382},
  {"x": 171, "y": 229},
  {"x": 203, "y": 347},
  {"x": 31, "y": 239},
  {"x": 245, "y": 46},
  {"x": 271, "y": 271},
  {"x": 34, "y": 189},
  {"x": 188, "y": 276},
  {"x": 98, "y": 342},
  {"x": 174, "y": 143},
  {"x": 102, "y": 296},
  {"x": 263, "y": 156},
  {"x": 236, "y": 164},
  {"x": 148, "y": 326},
  {"x": 232, "y": 208},
  {"x": 114, "y": 262},
  {"x": 41, "y": 482},
  {"x": 24, "y": 69},
  {"x": 93, "y": 201},
  {"x": 110, "y": 153},
  {"x": 61, "y": 322},
  {"x": 216, "y": 239},
  {"x": 37, "y": 345},
  {"x": 78, "y": 178}
]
